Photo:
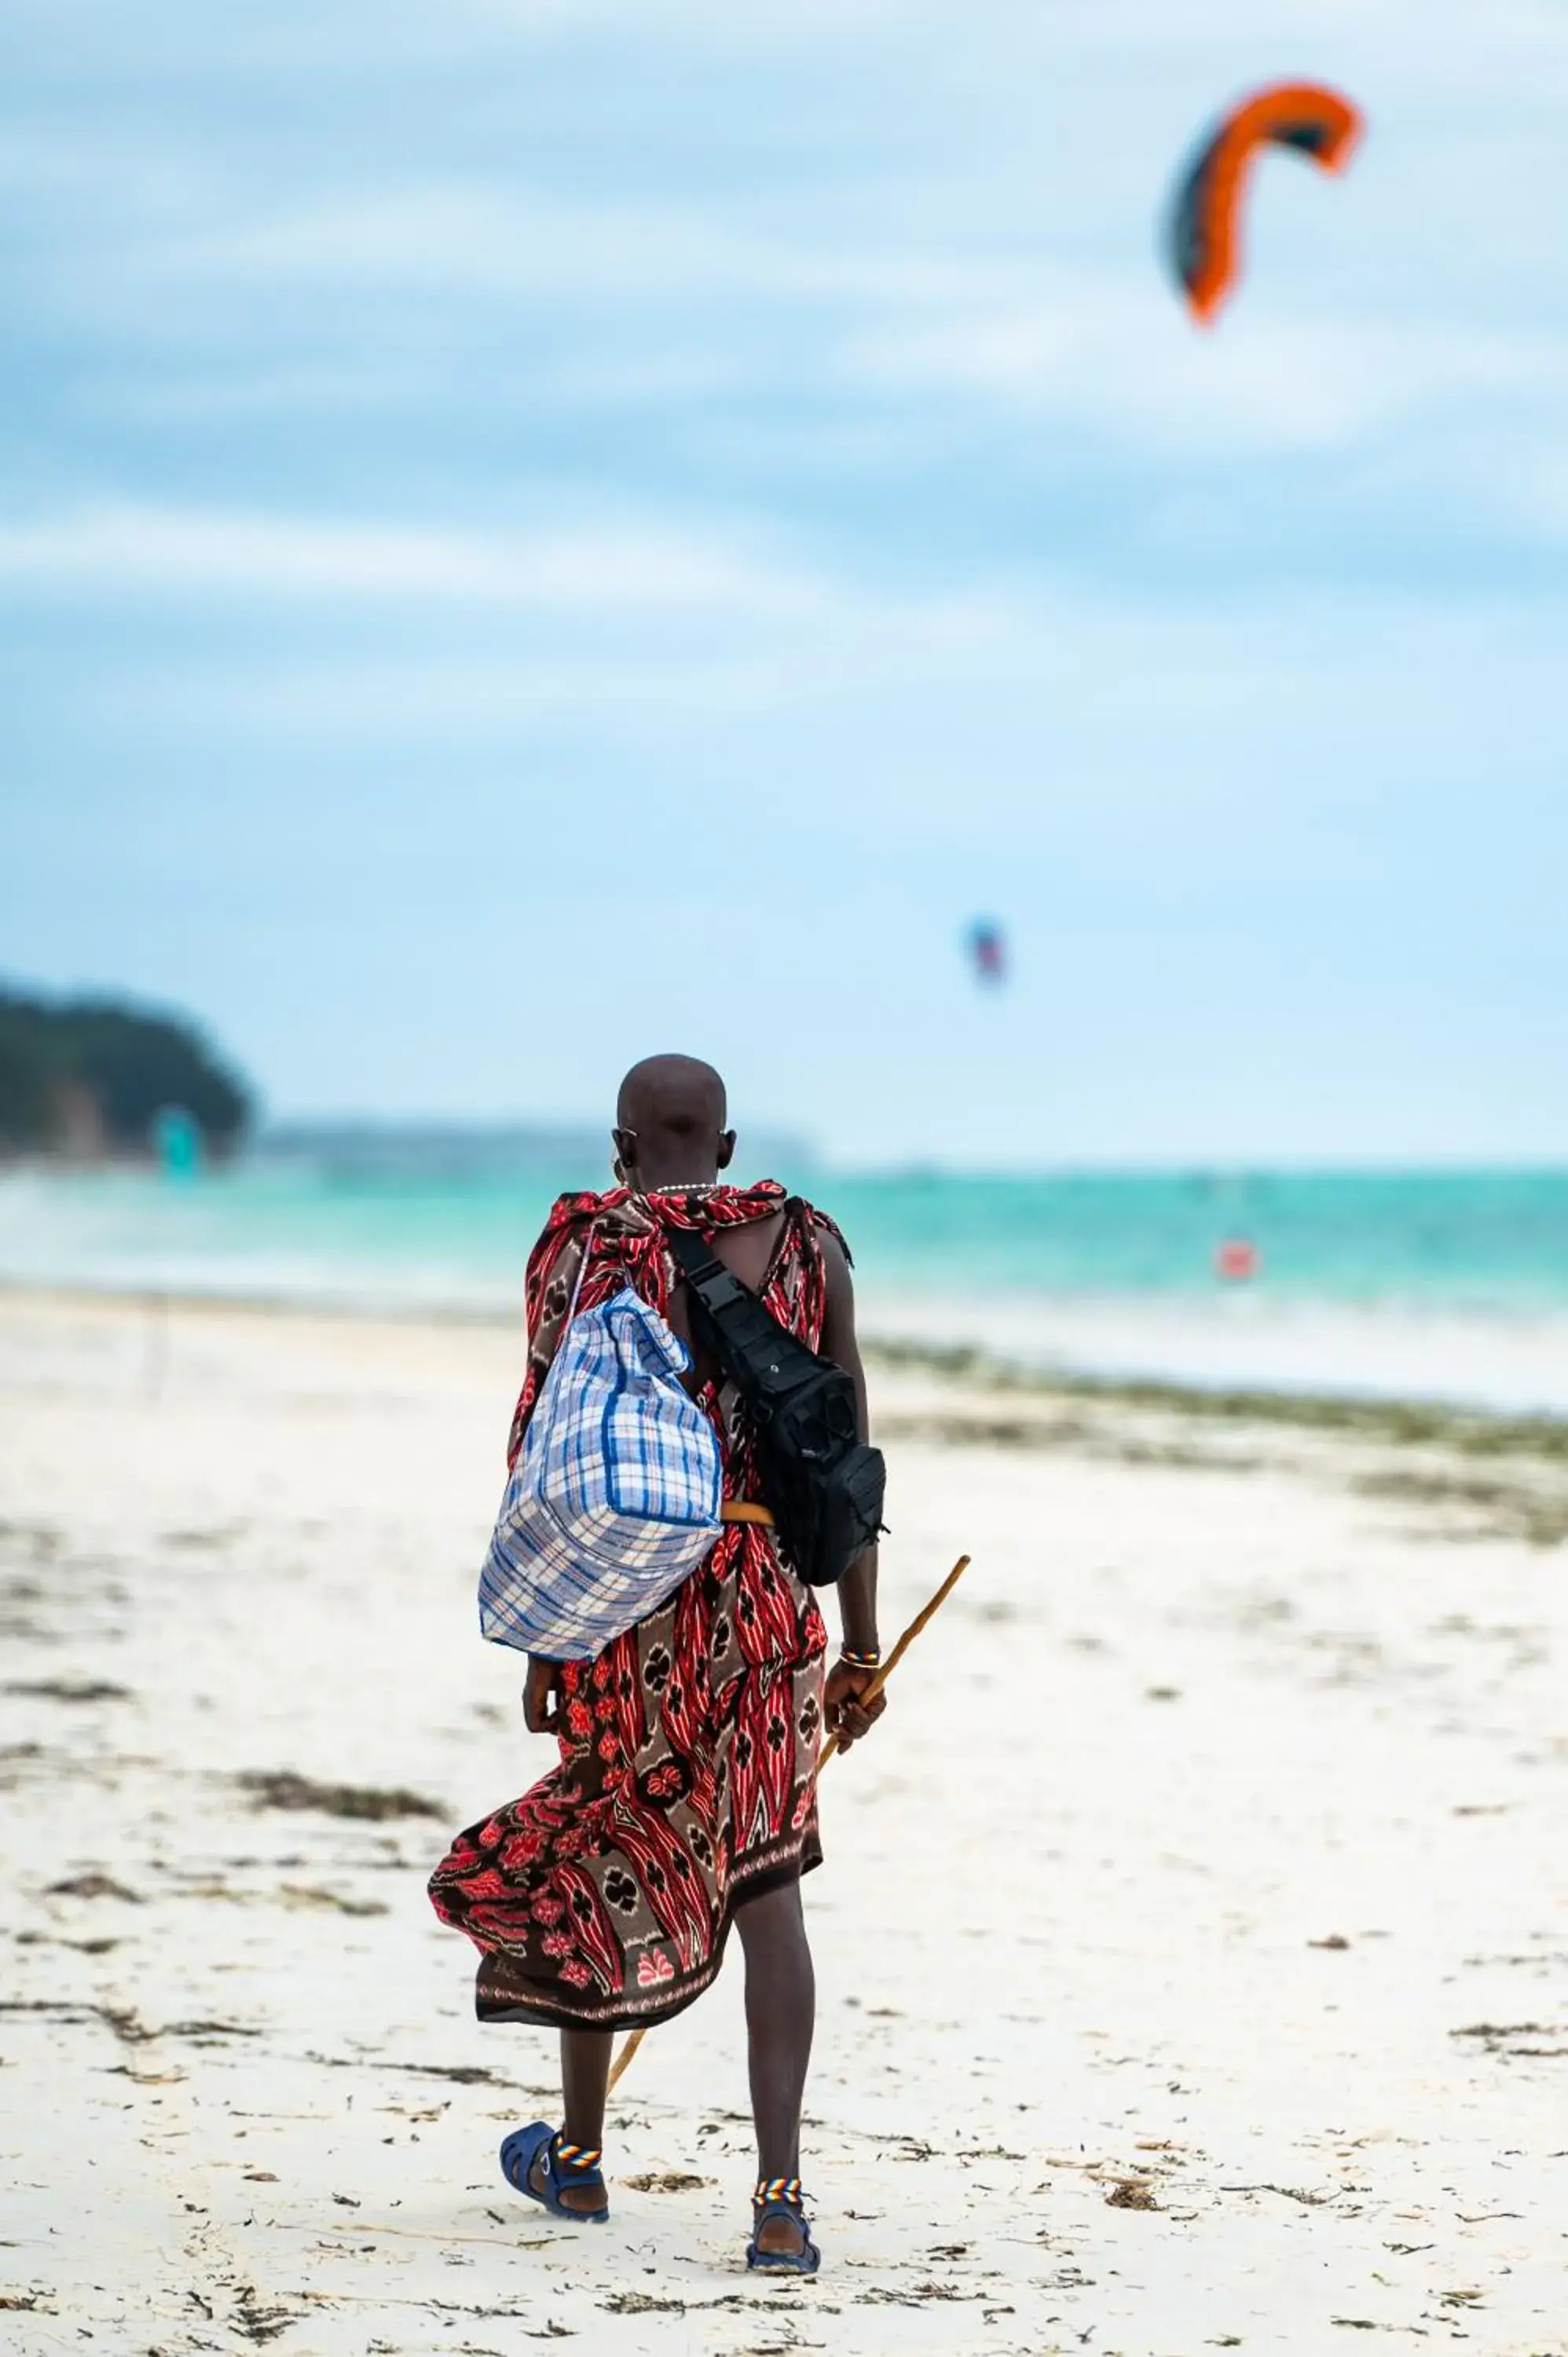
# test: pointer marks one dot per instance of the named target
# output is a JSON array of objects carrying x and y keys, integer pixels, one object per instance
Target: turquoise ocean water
[{"x": 1418, "y": 1281}]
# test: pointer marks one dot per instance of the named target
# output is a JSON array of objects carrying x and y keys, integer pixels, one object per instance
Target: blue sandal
[
  {"x": 564, "y": 2164},
  {"x": 780, "y": 2197}
]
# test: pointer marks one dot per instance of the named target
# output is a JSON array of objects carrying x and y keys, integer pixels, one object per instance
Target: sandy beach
[{"x": 1192, "y": 1946}]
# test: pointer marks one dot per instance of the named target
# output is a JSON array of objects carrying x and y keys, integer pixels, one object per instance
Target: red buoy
[{"x": 1238, "y": 1260}]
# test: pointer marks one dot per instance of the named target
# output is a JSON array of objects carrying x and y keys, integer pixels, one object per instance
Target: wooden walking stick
[{"x": 928, "y": 1612}]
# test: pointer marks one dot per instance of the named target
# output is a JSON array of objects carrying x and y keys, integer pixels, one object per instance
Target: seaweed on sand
[{"x": 281, "y": 1788}]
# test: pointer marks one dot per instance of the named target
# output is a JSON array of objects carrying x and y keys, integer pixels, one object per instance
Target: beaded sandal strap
[{"x": 583, "y": 2157}]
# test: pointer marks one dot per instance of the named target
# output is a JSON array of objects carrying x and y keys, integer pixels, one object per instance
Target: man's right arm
[{"x": 846, "y": 1715}]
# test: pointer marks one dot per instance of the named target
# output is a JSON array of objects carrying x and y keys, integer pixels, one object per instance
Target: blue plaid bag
[{"x": 615, "y": 1497}]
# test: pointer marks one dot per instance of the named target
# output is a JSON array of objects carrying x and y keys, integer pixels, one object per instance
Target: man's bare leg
[
  {"x": 781, "y": 2013},
  {"x": 584, "y": 2077}
]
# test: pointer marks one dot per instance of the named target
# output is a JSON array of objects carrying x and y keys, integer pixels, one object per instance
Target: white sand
[{"x": 1181, "y": 1723}]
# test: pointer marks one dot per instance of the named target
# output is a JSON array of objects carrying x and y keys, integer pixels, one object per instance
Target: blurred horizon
[
  {"x": 1405, "y": 1287},
  {"x": 534, "y": 535}
]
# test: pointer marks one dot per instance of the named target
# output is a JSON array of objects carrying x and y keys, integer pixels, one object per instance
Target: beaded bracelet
[{"x": 856, "y": 1661}]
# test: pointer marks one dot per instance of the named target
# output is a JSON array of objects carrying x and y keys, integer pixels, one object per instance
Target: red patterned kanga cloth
[{"x": 689, "y": 1747}]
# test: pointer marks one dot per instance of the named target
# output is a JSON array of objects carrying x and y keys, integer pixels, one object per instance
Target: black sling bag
[{"x": 823, "y": 1484}]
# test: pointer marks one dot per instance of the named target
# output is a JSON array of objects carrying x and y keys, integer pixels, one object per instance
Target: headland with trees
[{"x": 86, "y": 1079}]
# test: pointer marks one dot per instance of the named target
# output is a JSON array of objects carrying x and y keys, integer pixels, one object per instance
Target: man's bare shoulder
[
  {"x": 830, "y": 1235},
  {"x": 837, "y": 1260}
]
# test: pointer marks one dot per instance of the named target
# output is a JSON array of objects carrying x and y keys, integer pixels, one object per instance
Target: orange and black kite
[{"x": 1204, "y": 240}]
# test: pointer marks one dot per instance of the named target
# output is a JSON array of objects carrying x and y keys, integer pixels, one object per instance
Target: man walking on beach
[{"x": 685, "y": 1797}]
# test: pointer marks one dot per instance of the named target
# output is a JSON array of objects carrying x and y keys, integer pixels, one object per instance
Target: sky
[{"x": 534, "y": 531}]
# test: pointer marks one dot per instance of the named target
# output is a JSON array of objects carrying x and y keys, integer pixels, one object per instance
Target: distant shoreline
[{"x": 1412, "y": 1421}]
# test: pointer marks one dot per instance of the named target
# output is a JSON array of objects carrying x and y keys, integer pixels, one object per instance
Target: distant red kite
[
  {"x": 988, "y": 950},
  {"x": 1205, "y": 243}
]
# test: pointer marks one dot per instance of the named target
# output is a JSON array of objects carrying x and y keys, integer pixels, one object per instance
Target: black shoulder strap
[
  {"x": 736, "y": 1312},
  {"x": 716, "y": 1287},
  {"x": 761, "y": 1354}
]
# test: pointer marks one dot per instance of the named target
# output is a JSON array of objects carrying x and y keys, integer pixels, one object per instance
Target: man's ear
[
  {"x": 726, "y": 1148},
  {"x": 625, "y": 1143}
]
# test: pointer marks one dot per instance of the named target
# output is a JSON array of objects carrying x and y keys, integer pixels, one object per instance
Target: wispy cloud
[
  {"x": 1273, "y": 382},
  {"x": 123, "y": 547},
  {"x": 462, "y": 235}
]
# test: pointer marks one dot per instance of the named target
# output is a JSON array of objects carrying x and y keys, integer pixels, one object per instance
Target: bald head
[{"x": 670, "y": 1122}]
